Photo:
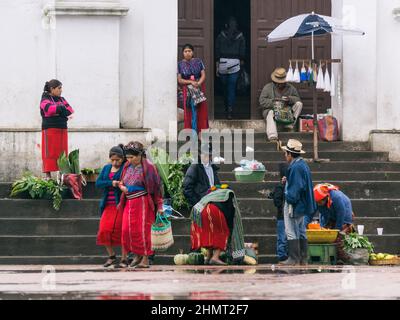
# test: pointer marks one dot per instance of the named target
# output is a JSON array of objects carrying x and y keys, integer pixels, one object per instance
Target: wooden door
[
  {"x": 266, "y": 15},
  {"x": 195, "y": 26}
]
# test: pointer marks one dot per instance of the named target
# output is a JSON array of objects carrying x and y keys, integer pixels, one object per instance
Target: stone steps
[
  {"x": 75, "y": 245},
  {"x": 250, "y": 208},
  {"x": 331, "y": 155},
  {"x": 89, "y": 226},
  {"x": 354, "y": 189},
  {"x": 329, "y": 176},
  {"x": 32, "y": 232},
  {"x": 307, "y": 146}
]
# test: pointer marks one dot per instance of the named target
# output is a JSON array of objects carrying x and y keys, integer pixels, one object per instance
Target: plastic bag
[
  {"x": 320, "y": 79},
  {"x": 243, "y": 82},
  {"x": 358, "y": 257},
  {"x": 289, "y": 74},
  {"x": 303, "y": 74},
  {"x": 327, "y": 81},
  {"x": 296, "y": 74},
  {"x": 328, "y": 129}
]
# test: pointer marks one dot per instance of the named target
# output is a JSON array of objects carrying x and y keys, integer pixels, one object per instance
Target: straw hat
[
  {"x": 294, "y": 146},
  {"x": 279, "y": 75}
]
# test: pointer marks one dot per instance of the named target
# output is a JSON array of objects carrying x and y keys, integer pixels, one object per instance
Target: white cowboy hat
[{"x": 294, "y": 146}]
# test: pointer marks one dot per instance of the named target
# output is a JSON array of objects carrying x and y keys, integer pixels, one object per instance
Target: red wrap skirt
[
  {"x": 110, "y": 227},
  {"x": 136, "y": 226},
  {"x": 214, "y": 232},
  {"x": 54, "y": 142}
]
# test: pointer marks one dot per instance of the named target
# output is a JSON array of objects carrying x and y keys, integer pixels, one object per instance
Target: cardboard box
[{"x": 306, "y": 125}]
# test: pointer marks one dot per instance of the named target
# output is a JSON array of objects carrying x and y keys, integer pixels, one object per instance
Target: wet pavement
[{"x": 262, "y": 282}]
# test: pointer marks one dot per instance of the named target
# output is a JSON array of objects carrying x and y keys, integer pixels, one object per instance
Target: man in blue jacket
[{"x": 299, "y": 202}]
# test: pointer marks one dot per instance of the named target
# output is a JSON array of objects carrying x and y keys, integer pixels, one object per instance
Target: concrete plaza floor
[{"x": 199, "y": 282}]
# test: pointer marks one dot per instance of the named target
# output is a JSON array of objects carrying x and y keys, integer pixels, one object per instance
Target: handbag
[
  {"x": 196, "y": 94},
  {"x": 283, "y": 112},
  {"x": 161, "y": 234}
]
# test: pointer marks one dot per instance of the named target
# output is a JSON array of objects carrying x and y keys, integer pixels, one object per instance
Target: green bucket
[{"x": 250, "y": 175}]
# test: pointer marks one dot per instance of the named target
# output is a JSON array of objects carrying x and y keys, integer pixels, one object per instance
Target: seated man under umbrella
[{"x": 279, "y": 95}]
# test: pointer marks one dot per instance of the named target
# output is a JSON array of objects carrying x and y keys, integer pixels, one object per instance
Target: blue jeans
[
  {"x": 281, "y": 243},
  {"x": 229, "y": 82},
  {"x": 294, "y": 226}
]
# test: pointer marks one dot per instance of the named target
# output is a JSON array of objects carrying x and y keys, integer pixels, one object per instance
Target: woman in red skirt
[
  {"x": 213, "y": 228},
  {"x": 191, "y": 71},
  {"x": 141, "y": 199},
  {"x": 55, "y": 112},
  {"x": 109, "y": 234}
]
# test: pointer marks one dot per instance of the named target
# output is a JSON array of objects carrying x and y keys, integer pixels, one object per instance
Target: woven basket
[
  {"x": 161, "y": 234},
  {"x": 391, "y": 262}
]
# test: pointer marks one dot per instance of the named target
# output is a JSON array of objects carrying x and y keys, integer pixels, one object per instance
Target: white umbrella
[{"x": 311, "y": 25}]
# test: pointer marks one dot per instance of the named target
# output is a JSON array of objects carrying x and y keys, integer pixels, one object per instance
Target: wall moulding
[{"x": 62, "y": 8}]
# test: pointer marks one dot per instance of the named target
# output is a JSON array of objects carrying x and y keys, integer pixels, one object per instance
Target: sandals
[
  {"x": 142, "y": 266},
  {"x": 135, "y": 262},
  {"x": 110, "y": 262},
  {"x": 123, "y": 264},
  {"x": 217, "y": 262}
]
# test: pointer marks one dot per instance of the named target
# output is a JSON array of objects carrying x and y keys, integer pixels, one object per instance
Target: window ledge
[{"x": 63, "y": 8}]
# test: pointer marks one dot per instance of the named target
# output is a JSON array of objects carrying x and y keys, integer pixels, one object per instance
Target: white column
[{"x": 360, "y": 71}]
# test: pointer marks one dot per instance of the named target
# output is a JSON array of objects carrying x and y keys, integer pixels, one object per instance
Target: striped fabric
[{"x": 236, "y": 247}]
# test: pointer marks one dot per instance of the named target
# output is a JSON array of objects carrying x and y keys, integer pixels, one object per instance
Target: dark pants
[
  {"x": 281, "y": 243},
  {"x": 229, "y": 82}
]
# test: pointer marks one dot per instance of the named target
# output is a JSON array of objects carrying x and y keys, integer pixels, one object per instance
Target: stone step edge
[
  {"x": 183, "y": 219},
  {"x": 175, "y": 235}
]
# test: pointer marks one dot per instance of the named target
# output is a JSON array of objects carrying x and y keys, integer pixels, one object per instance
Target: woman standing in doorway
[
  {"x": 55, "y": 112},
  {"x": 230, "y": 53},
  {"x": 141, "y": 199},
  {"x": 191, "y": 71}
]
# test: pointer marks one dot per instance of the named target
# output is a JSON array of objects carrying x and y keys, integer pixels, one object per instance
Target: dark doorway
[{"x": 240, "y": 9}]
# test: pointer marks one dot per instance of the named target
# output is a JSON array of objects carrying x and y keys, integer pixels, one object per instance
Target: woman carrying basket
[{"x": 140, "y": 200}]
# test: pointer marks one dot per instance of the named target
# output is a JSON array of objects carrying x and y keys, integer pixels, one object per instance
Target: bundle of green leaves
[
  {"x": 38, "y": 188},
  {"x": 172, "y": 174},
  {"x": 89, "y": 171},
  {"x": 354, "y": 241},
  {"x": 69, "y": 164}
]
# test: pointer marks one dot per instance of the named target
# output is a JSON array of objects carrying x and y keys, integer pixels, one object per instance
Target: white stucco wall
[
  {"x": 131, "y": 65},
  {"x": 160, "y": 63},
  {"x": 81, "y": 51},
  {"x": 88, "y": 65},
  {"x": 388, "y": 66},
  {"x": 26, "y": 62},
  {"x": 360, "y": 71}
]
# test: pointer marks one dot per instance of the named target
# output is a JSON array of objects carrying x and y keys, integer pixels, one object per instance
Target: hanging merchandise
[
  {"x": 309, "y": 72},
  {"x": 289, "y": 75},
  {"x": 315, "y": 74},
  {"x": 296, "y": 75},
  {"x": 320, "y": 78},
  {"x": 333, "y": 85},
  {"x": 327, "y": 80},
  {"x": 303, "y": 74}
]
